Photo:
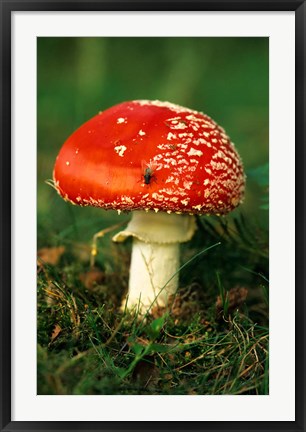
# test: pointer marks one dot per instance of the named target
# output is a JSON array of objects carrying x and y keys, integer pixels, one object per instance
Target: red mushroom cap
[{"x": 151, "y": 155}]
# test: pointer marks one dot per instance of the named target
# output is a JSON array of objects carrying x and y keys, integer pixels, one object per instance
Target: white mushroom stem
[
  {"x": 155, "y": 256},
  {"x": 152, "y": 266}
]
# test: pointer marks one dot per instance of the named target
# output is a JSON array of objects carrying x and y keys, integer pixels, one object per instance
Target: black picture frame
[{"x": 7, "y": 7}]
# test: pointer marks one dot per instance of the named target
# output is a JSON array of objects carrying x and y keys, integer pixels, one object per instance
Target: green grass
[{"x": 213, "y": 341}]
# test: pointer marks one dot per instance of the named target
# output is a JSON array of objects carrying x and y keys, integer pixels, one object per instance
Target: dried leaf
[
  {"x": 183, "y": 305},
  {"x": 236, "y": 297},
  {"x": 92, "y": 278},
  {"x": 146, "y": 372},
  {"x": 56, "y": 331},
  {"x": 50, "y": 255}
]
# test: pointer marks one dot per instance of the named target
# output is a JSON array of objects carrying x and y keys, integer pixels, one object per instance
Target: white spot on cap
[
  {"x": 157, "y": 197},
  {"x": 197, "y": 207},
  {"x": 171, "y": 179},
  {"x": 179, "y": 126},
  {"x": 67, "y": 163},
  {"x": 121, "y": 120},
  {"x": 171, "y": 136},
  {"x": 173, "y": 107},
  {"x": 126, "y": 199},
  {"x": 182, "y": 146},
  {"x": 199, "y": 141},
  {"x": 174, "y": 119},
  {"x": 141, "y": 132},
  {"x": 170, "y": 161},
  {"x": 163, "y": 146},
  {"x": 187, "y": 185},
  {"x": 185, "y": 201},
  {"x": 194, "y": 152},
  {"x": 185, "y": 135},
  {"x": 120, "y": 150}
]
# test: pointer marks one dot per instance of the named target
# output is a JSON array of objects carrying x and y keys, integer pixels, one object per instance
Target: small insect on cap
[{"x": 151, "y": 155}]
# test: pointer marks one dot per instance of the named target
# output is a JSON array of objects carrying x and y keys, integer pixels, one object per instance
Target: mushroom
[{"x": 163, "y": 162}]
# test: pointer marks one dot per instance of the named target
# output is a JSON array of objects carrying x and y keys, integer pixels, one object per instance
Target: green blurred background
[{"x": 226, "y": 78}]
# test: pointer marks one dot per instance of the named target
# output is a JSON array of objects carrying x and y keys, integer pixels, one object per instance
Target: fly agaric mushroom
[{"x": 163, "y": 162}]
